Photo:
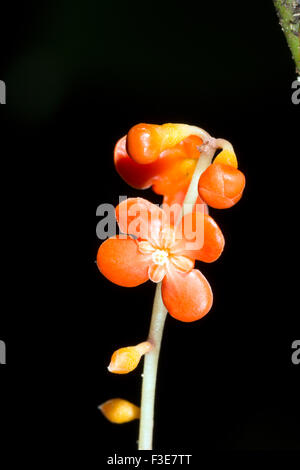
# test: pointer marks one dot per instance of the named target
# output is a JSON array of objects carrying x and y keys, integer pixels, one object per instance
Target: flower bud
[
  {"x": 145, "y": 142},
  {"x": 119, "y": 411},
  {"x": 221, "y": 186},
  {"x": 125, "y": 360}
]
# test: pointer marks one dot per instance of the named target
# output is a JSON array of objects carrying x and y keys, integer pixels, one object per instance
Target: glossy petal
[
  {"x": 141, "y": 218},
  {"x": 168, "y": 170},
  {"x": 202, "y": 239},
  {"x": 167, "y": 237},
  {"x": 146, "y": 248},
  {"x": 157, "y": 272},
  {"x": 182, "y": 263},
  {"x": 221, "y": 186},
  {"x": 176, "y": 165},
  {"x": 169, "y": 174},
  {"x": 120, "y": 261},
  {"x": 187, "y": 297},
  {"x": 145, "y": 142},
  {"x": 136, "y": 175},
  {"x": 172, "y": 205}
]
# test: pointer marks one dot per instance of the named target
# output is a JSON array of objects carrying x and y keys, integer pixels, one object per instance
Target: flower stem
[
  {"x": 192, "y": 193},
  {"x": 159, "y": 314}
]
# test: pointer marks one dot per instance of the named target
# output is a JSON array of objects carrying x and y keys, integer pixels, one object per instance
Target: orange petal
[
  {"x": 202, "y": 238},
  {"x": 169, "y": 174},
  {"x": 176, "y": 174},
  {"x": 120, "y": 261},
  {"x": 200, "y": 206},
  {"x": 157, "y": 272},
  {"x": 146, "y": 247},
  {"x": 141, "y": 218},
  {"x": 145, "y": 142},
  {"x": 221, "y": 186},
  {"x": 136, "y": 175},
  {"x": 182, "y": 263},
  {"x": 172, "y": 205},
  {"x": 119, "y": 411},
  {"x": 187, "y": 297},
  {"x": 176, "y": 166},
  {"x": 167, "y": 237}
]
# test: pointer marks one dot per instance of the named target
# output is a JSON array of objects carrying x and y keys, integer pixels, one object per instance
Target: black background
[{"x": 78, "y": 76}]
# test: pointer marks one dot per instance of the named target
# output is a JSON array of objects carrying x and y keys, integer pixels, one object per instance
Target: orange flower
[{"x": 161, "y": 252}]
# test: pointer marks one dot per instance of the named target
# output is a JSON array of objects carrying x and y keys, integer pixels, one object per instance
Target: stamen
[{"x": 160, "y": 257}]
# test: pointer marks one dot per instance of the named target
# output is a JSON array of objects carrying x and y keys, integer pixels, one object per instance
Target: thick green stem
[
  {"x": 289, "y": 18},
  {"x": 159, "y": 314}
]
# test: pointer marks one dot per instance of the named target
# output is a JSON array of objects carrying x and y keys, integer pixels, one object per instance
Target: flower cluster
[{"x": 163, "y": 243}]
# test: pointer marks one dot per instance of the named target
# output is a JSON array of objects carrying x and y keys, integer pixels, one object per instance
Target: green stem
[
  {"x": 159, "y": 314},
  {"x": 289, "y": 18},
  {"x": 192, "y": 193}
]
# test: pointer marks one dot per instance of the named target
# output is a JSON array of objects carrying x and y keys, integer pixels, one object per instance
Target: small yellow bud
[
  {"x": 119, "y": 411},
  {"x": 227, "y": 158},
  {"x": 125, "y": 360}
]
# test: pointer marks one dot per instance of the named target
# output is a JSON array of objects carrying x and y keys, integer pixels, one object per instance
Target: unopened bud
[
  {"x": 119, "y": 411},
  {"x": 125, "y": 360}
]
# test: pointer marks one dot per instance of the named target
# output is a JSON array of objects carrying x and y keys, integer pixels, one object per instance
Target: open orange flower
[{"x": 162, "y": 252}]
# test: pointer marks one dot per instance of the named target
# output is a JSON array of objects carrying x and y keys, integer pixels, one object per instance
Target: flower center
[{"x": 160, "y": 257}]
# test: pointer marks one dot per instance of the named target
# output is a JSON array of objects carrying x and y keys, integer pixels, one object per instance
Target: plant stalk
[
  {"x": 159, "y": 313},
  {"x": 288, "y": 12}
]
